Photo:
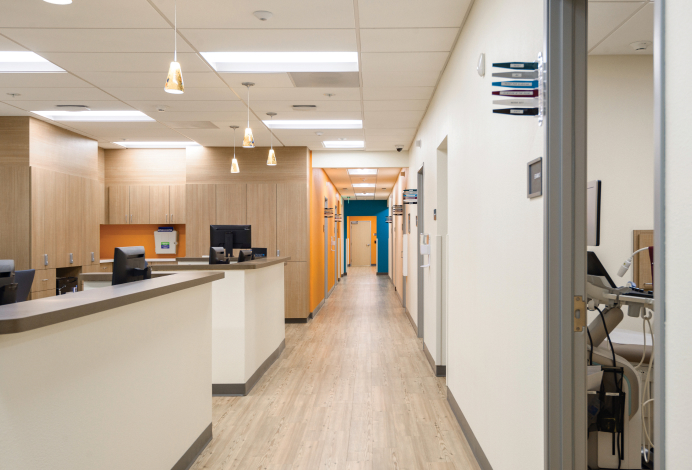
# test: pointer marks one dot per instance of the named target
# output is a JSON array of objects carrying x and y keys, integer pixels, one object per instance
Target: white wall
[
  {"x": 495, "y": 352},
  {"x": 621, "y": 155},
  {"x": 358, "y": 159},
  {"x": 678, "y": 223}
]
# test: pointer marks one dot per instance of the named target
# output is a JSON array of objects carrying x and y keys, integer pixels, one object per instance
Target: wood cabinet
[
  {"x": 200, "y": 206},
  {"x": 261, "y": 215},
  {"x": 119, "y": 204},
  {"x": 42, "y": 294},
  {"x": 177, "y": 203},
  {"x": 292, "y": 221},
  {"x": 44, "y": 279},
  {"x": 296, "y": 289},
  {"x": 93, "y": 215},
  {"x": 139, "y": 204},
  {"x": 159, "y": 204}
]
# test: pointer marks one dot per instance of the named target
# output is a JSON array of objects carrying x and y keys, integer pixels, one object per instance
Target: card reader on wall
[
  {"x": 166, "y": 241},
  {"x": 425, "y": 248}
]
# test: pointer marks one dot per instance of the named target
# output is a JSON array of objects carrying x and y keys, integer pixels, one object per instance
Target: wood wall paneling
[
  {"x": 177, "y": 203},
  {"x": 292, "y": 220},
  {"x": 641, "y": 271},
  {"x": 15, "y": 215},
  {"x": 58, "y": 149},
  {"x": 145, "y": 167},
  {"x": 93, "y": 215},
  {"x": 200, "y": 207},
  {"x": 42, "y": 294},
  {"x": 296, "y": 289},
  {"x": 77, "y": 219},
  {"x": 61, "y": 222},
  {"x": 231, "y": 204},
  {"x": 39, "y": 184},
  {"x": 102, "y": 165},
  {"x": 119, "y": 204},
  {"x": 14, "y": 140},
  {"x": 159, "y": 204},
  {"x": 261, "y": 215},
  {"x": 139, "y": 204}
]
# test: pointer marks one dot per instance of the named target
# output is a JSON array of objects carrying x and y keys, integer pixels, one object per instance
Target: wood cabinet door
[
  {"x": 42, "y": 218},
  {"x": 159, "y": 204},
  {"x": 92, "y": 225},
  {"x": 76, "y": 219},
  {"x": 200, "y": 205},
  {"x": 177, "y": 204},
  {"x": 139, "y": 204},
  {"x": 261, "y": 215},
  {"x": 292, "y": 222},
  {"x": 296, "y": 290},
  {"x": 62, "y": 258},
  {"x": 231, "y": 205},
  {"x": 119, "y": 204}
]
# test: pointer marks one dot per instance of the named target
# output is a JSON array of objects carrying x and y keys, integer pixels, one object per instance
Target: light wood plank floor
[{"x": 352, "y": 390}]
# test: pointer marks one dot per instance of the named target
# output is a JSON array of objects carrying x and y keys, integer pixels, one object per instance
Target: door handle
[
  {"x": 130, "y": 218},
  {"x": 171, "y": 218}
]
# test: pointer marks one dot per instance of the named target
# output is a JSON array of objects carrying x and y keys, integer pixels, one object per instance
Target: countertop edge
[
  {"x": 13, "y": 318},
  {"x": 255, "y": 264}
]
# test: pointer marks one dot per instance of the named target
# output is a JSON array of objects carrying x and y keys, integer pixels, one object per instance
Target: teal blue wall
[{"x": 372, "y": 208}]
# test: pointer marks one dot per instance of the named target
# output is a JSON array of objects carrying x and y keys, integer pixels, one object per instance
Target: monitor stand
[{"x": 228, "y": 244}]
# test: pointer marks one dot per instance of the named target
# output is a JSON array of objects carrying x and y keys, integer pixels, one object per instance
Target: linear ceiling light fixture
[
  {"x": 364, "y": 185},
  {"x": 278, "y": 62},
  {"x": 314, "y": 124},
  {"x": 174, "y": 81},
  {"x": 249, "y": 139},
  {"x": 365, "y": 194},
  {"x": 234, "y": 164},
  {"x": 343, "y": 144},
  {"x": 95, "y": 116},
  {"x": 26, "y": 62},
  {"x": 271, "y": 158},
  {"x": 157, "y": 145},
  {"x": 362, "y": 171},
  {"x": 58, "y": 2}
]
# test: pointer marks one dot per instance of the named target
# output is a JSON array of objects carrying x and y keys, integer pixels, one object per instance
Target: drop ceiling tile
[
  {"x": 150, "y": 79},
  {"x": 9, "y": 45},
  {"x": 187, "y": 106},
  {"x": 96, "y": 40},
  {"x": 58, "y": 94},
  {"x": 260, "y": 80},
  {"x": 50, "y": 105},
  {"x": 380, "y": 146},
  {"x": 224, "y": 138},
  {"x": 392, "y": 119},
  {"x": 304, "y": 14},
  {"x": 311, "y": 115},
  {"x": 115, "y": 128},
  {"x": 141, "y": 135},
  {"x": 606, "y": 17},
  {"x": 639, "y": 28},
  {"x": 125, "y": 62},
  {"x": 272, "y": 40},
  {"x": 398, "y": 132},
  {"x": 327, "y": 134},
  {"x": 403, "y": 61},
  {"x": 407, "y": 40},
  {"x": 373, "y": 93},
  {"x": 43, "y": 80},
  {"x": 278, "y": 94},
  {"x": 9, "y": 110},
  {"x": 419, "y": 78},
  {"x": 120, "y": 14},
  {"x": 157, "y": 94},
  {"x": 212, "y": 116},
  {"x": 390, "y": 105},
  {"x": 364, "y": 179},
  {"x": 412, "y": 13},
  {"x": 321, "y": 106},
  {"x": 389, "y": 139}
]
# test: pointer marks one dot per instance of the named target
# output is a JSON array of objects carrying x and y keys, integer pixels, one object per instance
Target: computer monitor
[
  {"x": 217, "y": 255},
  {"x": 593, "y": 213},
  {"x": 230, "y": 236},
  {"x": 245, "y": 255},
  {"x": 594, "y": 267},
  {"x": 8, "y": 286},
  {"x": 130, "y": 265}
]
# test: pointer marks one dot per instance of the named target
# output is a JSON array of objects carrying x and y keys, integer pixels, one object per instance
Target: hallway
[{"x": 352, "y": 390}]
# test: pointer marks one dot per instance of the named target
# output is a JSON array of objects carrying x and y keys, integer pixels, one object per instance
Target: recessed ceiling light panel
[
  {"x": 314, "y": 124},
  {"x": 362, "y": 171},
  {"x": 157, "y": 145},
  {"x": 364, "y": 185},
  {"x": 365, "y": 194},
  {"x": 26, "y": 62},
  {"x": 95, "y": 116},
  {"x": 343, "y": 144},
  {"x": 277, "y": 62},
  {"x": 59, "y": 2}
]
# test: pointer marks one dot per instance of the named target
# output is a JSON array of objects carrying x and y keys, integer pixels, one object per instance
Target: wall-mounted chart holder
[
  {"x": 528, "y": 94},
  {"x": 338, "y": 218},
  {"x": 329, "y": 212},
  {"x": 398, "y": 210},
  {"x": 389, "y": 219},
  {"x": 425, "y": 249},
  {"x": 410, "y": 196},
  {"x": 535, "y": 178}
]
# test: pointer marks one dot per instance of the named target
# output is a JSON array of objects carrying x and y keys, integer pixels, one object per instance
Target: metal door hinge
[{"x": 579, "y": 313}]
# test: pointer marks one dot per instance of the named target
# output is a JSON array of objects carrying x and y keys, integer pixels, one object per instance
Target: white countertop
[{"x": 157, "y": 260}]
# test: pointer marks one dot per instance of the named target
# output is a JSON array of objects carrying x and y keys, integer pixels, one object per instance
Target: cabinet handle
[
  {"x": 166, "y": 218},
  {"x": 130, "y": 218},
  {"x": 125, "y": 218},
  {"x": 171, "y": 218},
  {"x": 44, "y": 280}
]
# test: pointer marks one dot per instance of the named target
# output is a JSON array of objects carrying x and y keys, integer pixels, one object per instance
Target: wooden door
[
  {"x": 119, "y": 204},
  {"x": 200, "y": 208},
  {"x": 159, "y": 204},
  {"x": 76, "y": 219},
  {"x": 177, "y": 203},
  {"x": 296, "y": 289},
  {"x": 361, "y": 237},
  {"x": 92, "y": 225},
  {"x": 42, "y": 218},
  {"x": 292, "y": 221},
  {"x": 139, "y": 204},
  {"x": 62, "y": 258},
  {"x": 261, "y": 215},
  {"x": 641, "y": 271}
]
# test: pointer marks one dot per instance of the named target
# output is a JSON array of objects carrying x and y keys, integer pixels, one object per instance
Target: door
[
  {"x": 119, "y": 204},
  {"x": 159, "y": 204},
  {"x": 139, "y": 204},
  {"x": 361, "y": 238},
  {"x": 177, "y": 203}
]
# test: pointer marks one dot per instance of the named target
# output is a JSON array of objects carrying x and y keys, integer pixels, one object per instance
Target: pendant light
[
  {"x": 174, "y": 81},
  {"x": 271, "y": 158},
  {"x": 234, "y": 163},
  {"x": 249, "y": 140}
]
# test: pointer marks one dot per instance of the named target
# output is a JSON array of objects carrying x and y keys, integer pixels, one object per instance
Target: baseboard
[
  {"x": 297, "y": 320},
  {"x": 439, "y": 371},
  {"x": 314, "y": 313},
  {"x": 382, "y": 274},
  {"x": 373, "y": 265},
  {"x": 410, "y": 319},
  {"x": 194, "y": 450},
  {"x": 476, "y": 448},
  {"x": 244, "y": 389},
  {"x": 344, "y": 274}
]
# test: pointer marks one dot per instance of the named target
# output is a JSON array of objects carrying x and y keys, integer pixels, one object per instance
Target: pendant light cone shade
[
  {"x": 174, "y": 82},
  {"x": 271, "y": 159},
  {"x": 234, "y": 166},
  {"x": 248, "y": 140}
]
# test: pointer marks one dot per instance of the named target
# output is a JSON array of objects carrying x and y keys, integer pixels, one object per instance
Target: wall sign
[
  {"x": 535, "y": 178},
  {"x": 534, "y": 88},
  {"x": 398, "y": 210},
  {"x": 410, "y": 196},
  {"x": 388, "y": 219}
]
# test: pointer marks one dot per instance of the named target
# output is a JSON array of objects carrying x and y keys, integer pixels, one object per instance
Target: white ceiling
[
  {"x": 384, "y": 182},
  {"x": 117, "y": 56}
]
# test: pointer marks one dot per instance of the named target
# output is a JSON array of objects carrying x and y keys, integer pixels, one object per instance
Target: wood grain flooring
[{"x": 353, "y": 390}]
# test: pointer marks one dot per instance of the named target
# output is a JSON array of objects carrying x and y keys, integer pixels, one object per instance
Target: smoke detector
[
  {"x": 263, "y": 15},
  {"x": 73, "y": 107},
  {"x": 319, "y": 133},
  {"x": 641, "y": 45},
  {"x": 162, "y": 108}
]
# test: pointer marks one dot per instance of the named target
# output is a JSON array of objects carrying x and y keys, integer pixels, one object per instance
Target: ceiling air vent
[
  {"x": 191, "y": 125},
  {"x": 72, "y": 107},
  {"x": 304, "y": 107}
]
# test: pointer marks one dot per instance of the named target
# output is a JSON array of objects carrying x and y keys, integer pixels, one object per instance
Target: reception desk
[
  {"x": 110, "y": 378},
  {"x": 248, "y": 318}
]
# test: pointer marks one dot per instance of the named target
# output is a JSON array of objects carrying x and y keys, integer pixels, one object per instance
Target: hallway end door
[{"x": 361, "y": 251}]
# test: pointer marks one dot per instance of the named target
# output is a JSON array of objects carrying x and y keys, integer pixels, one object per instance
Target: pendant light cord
[
  {"x": 248, "y": 105},
  {"x": 175, "y": 31},
  {"x": 234, "y": 142},
  {"x": 271, "y": 135}
]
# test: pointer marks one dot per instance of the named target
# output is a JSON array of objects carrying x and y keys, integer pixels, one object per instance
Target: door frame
[
  {"x": 420, "y": 270},
  {"x": 326, "y": 250}
]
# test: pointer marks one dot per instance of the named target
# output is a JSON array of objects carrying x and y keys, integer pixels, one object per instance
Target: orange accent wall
[
  {"x": 113, "y": 236},
  {"x": 320, "y": 187},
  {"x": 373, "y": 234}
]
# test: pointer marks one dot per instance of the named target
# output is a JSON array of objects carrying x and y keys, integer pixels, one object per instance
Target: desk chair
[{"x": 24, "y": 279}]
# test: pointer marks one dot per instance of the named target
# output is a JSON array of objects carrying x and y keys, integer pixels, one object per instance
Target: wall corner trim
[
  {"x": 482, "y": 460},
  {"x": 314, "y": 313},
  {"x": 439, "y": 371},
  {"x": 194, "y": 450}
]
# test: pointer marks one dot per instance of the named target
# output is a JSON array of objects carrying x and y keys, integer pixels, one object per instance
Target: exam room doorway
[{"x": 361, "y": 250}]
